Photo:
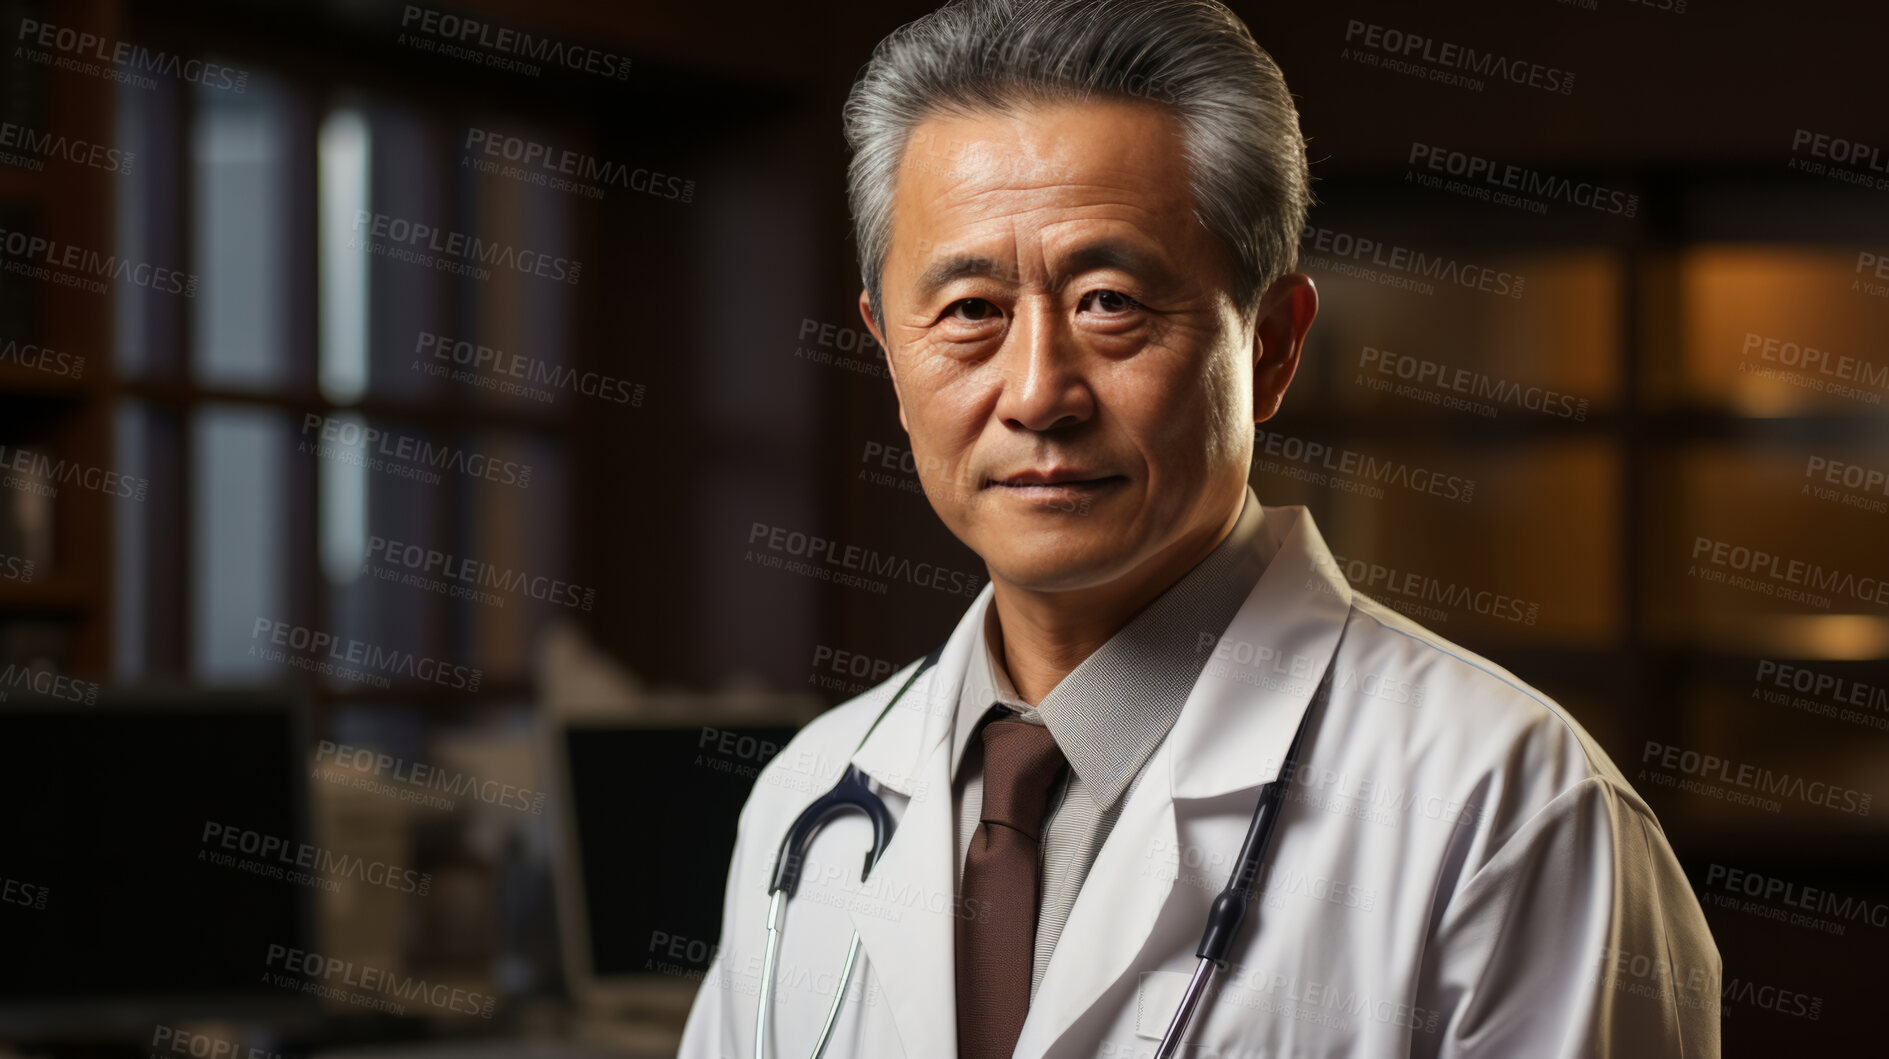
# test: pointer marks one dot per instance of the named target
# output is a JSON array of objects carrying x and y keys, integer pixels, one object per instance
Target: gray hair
[{"x": 1246, "y": 159}]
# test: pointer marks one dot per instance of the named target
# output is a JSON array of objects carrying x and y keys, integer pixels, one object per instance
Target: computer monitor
[
  {"x": 648, "y": 823},
  {"x": 117, "y": 914}
]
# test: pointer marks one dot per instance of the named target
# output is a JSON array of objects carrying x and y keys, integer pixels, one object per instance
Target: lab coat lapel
[
  {"x": 908, "y": 931},
  {"x": 1109, "y": 924},
  {"x": 922, "y": 720},
  {"x": 1232, "y": 735}
]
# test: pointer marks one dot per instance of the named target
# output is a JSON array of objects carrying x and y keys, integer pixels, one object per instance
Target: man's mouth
[{"x": 1055, "y": 480}]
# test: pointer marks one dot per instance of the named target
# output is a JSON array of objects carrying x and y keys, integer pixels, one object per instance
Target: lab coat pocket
[{"x": 1156, "y": 1001}]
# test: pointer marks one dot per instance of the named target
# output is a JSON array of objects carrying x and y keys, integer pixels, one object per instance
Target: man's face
[{"x": 1054, "y": 312}]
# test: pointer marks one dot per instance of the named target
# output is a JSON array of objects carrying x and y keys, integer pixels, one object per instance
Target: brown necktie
[{"x": 997, "y": 922}]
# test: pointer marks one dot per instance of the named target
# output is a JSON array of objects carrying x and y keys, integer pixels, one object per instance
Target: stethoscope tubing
[{"x": 851, "y": 794}]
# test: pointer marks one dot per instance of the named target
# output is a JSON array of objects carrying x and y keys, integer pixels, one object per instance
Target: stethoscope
[{"x": 851, "y": 794}]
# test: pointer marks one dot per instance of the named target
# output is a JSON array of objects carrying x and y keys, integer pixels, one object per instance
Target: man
[{"x": 1077, "y": 227}]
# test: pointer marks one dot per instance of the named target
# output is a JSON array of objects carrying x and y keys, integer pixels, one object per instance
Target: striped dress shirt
[{"x": 1107, "y": 716}]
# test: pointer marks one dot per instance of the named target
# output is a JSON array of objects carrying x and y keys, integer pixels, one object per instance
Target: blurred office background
[{"x": 226, "y": 618}]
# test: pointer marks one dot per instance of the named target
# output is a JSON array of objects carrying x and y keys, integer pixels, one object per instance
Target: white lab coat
[{"x": 1458, "y": 870}]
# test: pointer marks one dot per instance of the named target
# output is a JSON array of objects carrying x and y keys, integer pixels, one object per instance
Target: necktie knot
[{"x": 1021, "y": 762}]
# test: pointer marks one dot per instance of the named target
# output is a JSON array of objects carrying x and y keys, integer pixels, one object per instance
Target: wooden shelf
[{"x": 54, "y": 595}]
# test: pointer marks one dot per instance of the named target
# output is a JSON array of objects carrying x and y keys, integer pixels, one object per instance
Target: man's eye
[
  {"x": 970, "y": 310},
  {"x": 1109, "y": 301}
]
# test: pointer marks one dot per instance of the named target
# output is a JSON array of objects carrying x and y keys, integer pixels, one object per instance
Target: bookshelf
[{"x": 56, "y": 500}]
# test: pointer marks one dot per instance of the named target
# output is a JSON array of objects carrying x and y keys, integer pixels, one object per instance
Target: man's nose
[{"x": 1045, "y": 381}]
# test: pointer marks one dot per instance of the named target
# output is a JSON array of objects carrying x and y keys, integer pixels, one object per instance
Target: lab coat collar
[
  {"x": 1253, "y": 692},
  {"x": 1233, "y": 733},
  {"x": 922, "y": 719}
]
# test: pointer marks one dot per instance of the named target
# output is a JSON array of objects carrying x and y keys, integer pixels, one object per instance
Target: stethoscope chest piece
[{"x": 851, "y": 794}]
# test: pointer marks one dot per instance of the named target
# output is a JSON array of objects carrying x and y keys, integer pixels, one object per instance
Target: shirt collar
[{"x": 1110, "y": 712}]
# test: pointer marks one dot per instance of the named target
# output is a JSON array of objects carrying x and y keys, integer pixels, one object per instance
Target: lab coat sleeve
[
  {"x": 1579, "y": 938},
  {"x": 706, "y": 1034},
  {"x": 713, "y": 1029}
]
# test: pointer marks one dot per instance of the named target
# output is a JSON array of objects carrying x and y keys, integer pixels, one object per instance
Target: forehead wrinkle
[
  {"x": 1071, "y": 259},
  {"x": 997, "y": 201},
  {"x": 984, "y": 201}
]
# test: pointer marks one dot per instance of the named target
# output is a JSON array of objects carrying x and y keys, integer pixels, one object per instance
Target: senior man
[{"x": 1077, "y": 227}]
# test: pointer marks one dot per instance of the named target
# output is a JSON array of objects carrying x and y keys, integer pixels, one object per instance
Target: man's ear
[
  {"x": 1285, "y": 315},
  {"x": 865, "y": 313}
]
